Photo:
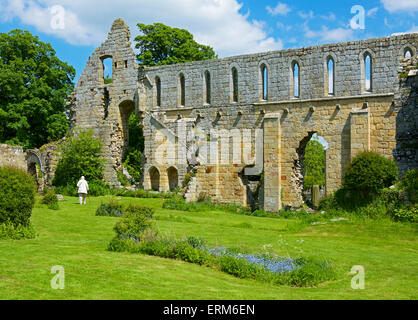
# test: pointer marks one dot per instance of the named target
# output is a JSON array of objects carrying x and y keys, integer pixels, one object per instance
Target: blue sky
[{"x": 231, "y": 27}]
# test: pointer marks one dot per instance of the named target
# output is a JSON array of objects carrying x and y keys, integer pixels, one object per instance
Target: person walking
[{"x": 83, "y": 188}]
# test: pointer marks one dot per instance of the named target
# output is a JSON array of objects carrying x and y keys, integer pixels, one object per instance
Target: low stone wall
[{"x": 12, "y": 156}]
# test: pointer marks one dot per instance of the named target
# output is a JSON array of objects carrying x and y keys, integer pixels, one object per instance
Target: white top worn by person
[{"x": 83, "y": 186}]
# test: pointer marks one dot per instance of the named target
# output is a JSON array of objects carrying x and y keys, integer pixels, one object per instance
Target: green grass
[{"x": 76, "y": 239}]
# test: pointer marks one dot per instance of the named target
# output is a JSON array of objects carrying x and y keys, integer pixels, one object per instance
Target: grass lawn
[{"x": 76, "y": 239}]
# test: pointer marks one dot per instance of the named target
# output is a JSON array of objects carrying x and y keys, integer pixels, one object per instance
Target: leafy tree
[
  {"x": 34, "y": 85},
  {"x": 313, "y": 164},
  {"x": 133, "y": 155},
  {"x": 81, "y": 156},
  {"x": 162, "y": 45}
]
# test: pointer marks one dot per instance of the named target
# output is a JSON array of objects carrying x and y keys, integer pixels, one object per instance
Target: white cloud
[
  {"x": 218, "y": 23},
  {"x": 400, "y": 5},
  {"x": 372, "y": 12},
  {"x": 281, "y": 9},
  {"x": 325, "y": 34},
  {"x": 414, "y": 29},
  {"x": 309, "y": 15},
  {"x": 330, "y": 17},
  {"x": 283, "y": 26}
]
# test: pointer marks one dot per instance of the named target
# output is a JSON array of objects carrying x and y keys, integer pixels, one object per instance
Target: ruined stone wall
[
  {"x": 105, "y": 108},
  {"x": 406, "y": 106},
  {"x": 348, "y": 57},
  {"x": 50, "y": 155},
  {"x": 351, "y": 120},
  {"x": 12, "y": 156}
]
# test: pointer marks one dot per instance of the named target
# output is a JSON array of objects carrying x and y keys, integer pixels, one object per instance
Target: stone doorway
[
  {"x": 173, "y": 178},
  {"x": 154, "y": 176},
  {"x": 309, "y": 168}
]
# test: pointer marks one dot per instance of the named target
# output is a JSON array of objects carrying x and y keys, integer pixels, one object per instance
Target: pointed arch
[
  {"x": 154, "y": 176},
  {"x": 264, "y": 81},
  {"x": 182, "y": 90},
  {"x": 367, "y": 66},
  {"x": 173, "y": 178},
  {"x": 295, "y": 76},
  {"x": 234, "y": 78},
  {"x": 158, "y": 91},
  {"x": 330, "y": 76},
  {"x": 207, "y": 87}
]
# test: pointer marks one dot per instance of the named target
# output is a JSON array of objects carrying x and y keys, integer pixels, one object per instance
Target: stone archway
[
  {"x": 299, "y": 182},
  {"x": 36, "y": 167},
  {"x": 154, "y": 176},
  {"x": 173, "y": 178}
]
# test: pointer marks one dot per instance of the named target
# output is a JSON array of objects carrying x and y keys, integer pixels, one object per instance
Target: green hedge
[{"x": 17, "y": 196}]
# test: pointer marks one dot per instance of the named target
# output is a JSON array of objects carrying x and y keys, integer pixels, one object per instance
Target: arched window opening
[
  {"x": 207, "y": 88},
  {"x": 296, "y": 80},
  {"x": 331, "y": 76},
  {"x": 154, "y": 176},
  {"x": 408, "y": 53},
  {"x": 173, "y": 178},
  {"x": 234, "y": 85},
  {"x": 158, "y": 87},
  {"x": 107, "y": 63},
  {"x": 182, "y": 88},
  {"x": 264, "y": 82},
  {"x": 368, "y": 72}
]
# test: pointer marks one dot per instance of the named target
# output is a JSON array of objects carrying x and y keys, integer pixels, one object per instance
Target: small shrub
[
  {"x": 195, "y": 242},
  {"x": 409, "y": 183},
  {"x": 143, "y": 194},
  {"x": 164, "y": 248},
  {"x": 16, "y": 232},
  {"x": 135, "y": 221},
  {"x": 328, "y": 202},
  {"x": 99, "y": 188},
  {"x": 311, "y": 272},
  {"x": 111, "y": 209},
  {"x": 239, "y": 267},
  {"x": 188, "y": 177},
  {"x": 68, "y": 190},
  {"x": 50, "y": 199},
  {"x": 188, "y": 253},
  {"x": 407, "y": 214},
  {"x": 17, "y": 196},
  {"x": 133, "y": 163},
  {"x": 369, "y": 172},
  {"x": 124, "y": 181}
]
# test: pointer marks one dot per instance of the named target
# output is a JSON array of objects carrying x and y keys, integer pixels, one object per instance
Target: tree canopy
[
  {"x": 81, "y": 156},
  {"x": 314, "y": 164},
  {"x": 34, "y": 85},
  {"x": 162, "y": 45}
]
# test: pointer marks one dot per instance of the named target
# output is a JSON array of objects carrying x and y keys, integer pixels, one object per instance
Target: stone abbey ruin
[{"x": 240, "y": 124}]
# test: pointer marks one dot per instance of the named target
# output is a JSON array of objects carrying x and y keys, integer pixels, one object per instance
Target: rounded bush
[
  {"x": 135, "y": 221},
  {"x": 111, "y": 209},
  {"x": 17, "y": 196},
  {"x": 50, "y": 199},
  {"x": 369, "y": 172}
]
